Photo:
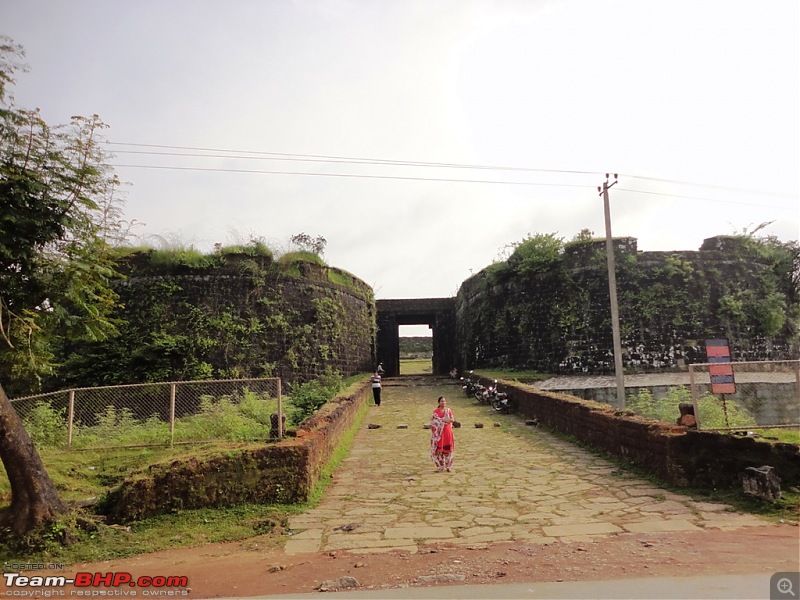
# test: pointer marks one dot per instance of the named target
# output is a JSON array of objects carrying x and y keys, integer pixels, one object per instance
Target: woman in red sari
[{"x": 442, "y": 440}]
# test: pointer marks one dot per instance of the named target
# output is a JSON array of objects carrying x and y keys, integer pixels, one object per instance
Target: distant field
[{"x": 416, "y": 366}]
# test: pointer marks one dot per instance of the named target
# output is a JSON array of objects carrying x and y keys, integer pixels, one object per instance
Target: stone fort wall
[
  {"x": 235, "y": 317},
  {"x": 669, "y": 302}
]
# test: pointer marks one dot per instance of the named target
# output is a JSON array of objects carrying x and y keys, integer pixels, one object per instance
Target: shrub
[
  {"x": 234, "y": 418},
  {"x": 119, "y": 427},
  {"x": 46, "y": 426},
  {"x": 308, "y": 397},
  {"x": 223, "y": 418}
]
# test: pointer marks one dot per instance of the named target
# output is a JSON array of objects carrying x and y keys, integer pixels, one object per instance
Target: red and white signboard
[{"x": 720, "y": 368}]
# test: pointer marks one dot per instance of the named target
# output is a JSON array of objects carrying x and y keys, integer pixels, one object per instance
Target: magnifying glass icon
[{"x": 784, "y": 586}]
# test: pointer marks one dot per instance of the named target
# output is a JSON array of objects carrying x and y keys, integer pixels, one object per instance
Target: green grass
[
  {"x": 416, "y": 366},
  {"x": 345, "y": 279},
  {"x": 291, "y": 258},
  {"x": 239, "y": 417},
  {"x": 262, "y": 525},
  {"x": 83, "y": 474},
  {"x": 785, "y": 436},
  {"x": 712, "y": 414},
  {"x": 103, "y": 455}
]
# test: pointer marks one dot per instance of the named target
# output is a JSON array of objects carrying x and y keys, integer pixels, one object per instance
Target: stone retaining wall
[
  {"x": 677, "y": 455},
  {"x": 285, "y": 472}
]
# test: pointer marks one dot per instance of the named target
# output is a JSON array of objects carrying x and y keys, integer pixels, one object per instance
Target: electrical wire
[
  {"x": 725, "y": 201},
  {"x": 350, "y": 175},
  {"x": 201, "y": 152},
  {"x": 337, "y": 159},
  {"x": 712, "y": 186}
]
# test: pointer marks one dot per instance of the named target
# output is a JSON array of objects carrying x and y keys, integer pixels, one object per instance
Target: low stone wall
[
  {"x": 677, "y": 455},
  {"x": 285, "y": 472}
]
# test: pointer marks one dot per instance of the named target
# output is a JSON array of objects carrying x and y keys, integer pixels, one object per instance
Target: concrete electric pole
[{"x": 612, "y": 291}]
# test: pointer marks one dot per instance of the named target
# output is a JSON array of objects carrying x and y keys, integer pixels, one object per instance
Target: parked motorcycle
[
  {"x": 468, "y": 385},
  {"x": 498, "y": 400},
  {"x": 481, "y": 393}
]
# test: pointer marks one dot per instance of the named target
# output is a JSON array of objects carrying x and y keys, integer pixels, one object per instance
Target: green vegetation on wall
[
  {"x": 547, "y": 306},
  {"x": 231, "y": 314}
]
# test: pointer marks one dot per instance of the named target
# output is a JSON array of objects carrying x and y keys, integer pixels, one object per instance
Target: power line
[
  {"x": 338, "y": 161},
  {"x": 263, "y": 155},
  {"x": 723, "y": 201},
  {"x": 710, "y": 185},
  {"x": 342, "y": 159},
  {"x": 435, "y": 179},
  {"x": 350, "y": 175},
  {"x": 333, "y": 159}
]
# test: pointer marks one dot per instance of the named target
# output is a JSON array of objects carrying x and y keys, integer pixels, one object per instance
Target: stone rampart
[
  {"x": 231, "y": 317},
  {"x": 555, "y": 317}
]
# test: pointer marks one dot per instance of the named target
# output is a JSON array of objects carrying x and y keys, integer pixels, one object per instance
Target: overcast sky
[{"x": 694, "y": 103}]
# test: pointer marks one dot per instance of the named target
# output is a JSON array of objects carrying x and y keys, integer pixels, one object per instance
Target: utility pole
[{"x": 612, "y": 292}]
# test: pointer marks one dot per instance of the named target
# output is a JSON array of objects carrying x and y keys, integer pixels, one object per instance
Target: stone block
[{"x": 761, "y": 482}]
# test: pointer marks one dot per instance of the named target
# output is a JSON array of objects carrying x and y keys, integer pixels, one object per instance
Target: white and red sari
[{"x": 442, "y": 440}]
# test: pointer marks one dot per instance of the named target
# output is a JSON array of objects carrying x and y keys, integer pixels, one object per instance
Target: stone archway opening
[
  {"x": 436, "y": 313},
  {"x": 416, "y": 349}
]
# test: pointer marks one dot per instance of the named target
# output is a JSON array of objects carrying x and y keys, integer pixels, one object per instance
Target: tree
[
  {"x": 60, "y": 214},
  {"x": 34, "y": 499}
]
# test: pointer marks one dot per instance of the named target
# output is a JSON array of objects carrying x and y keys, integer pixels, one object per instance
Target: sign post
[{"x": 720, "y": 370}]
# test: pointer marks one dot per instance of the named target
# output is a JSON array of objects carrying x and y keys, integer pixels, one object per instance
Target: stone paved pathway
[{"x": 511, "y": 482}]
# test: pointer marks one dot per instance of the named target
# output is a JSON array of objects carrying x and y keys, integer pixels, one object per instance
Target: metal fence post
[
  {"x": 797, "y": 380},
  {"x": 172, "y": 414},
  {"x": 693, "y": 389},
  {"x": 70, "y": 417},
  {"x": 280, "y": 412}
]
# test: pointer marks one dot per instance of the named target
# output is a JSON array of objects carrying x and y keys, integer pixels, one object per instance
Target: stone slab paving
[{"x": 510, "y": 483}]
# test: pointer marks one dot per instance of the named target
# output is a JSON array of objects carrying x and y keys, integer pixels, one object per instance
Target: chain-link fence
[
  {"x": 737, "y": 395},
  {"x": 155, "y": 414}
]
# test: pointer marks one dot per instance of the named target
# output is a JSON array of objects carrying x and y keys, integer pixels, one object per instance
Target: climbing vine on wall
[
  {"x": 233, "y": 314},
  {"x": 547, "y": 306}
]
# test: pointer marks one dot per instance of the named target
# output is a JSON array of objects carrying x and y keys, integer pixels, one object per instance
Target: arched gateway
[{"x": 437, "y": 313}]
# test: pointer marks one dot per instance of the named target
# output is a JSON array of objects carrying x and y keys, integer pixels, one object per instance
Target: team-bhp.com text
[{"x": 95, "y": 584}]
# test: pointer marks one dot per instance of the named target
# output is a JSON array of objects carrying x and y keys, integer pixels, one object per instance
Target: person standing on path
[
  {"x": 376, "y": 388},
  {"x": 442, "y": 440}
]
